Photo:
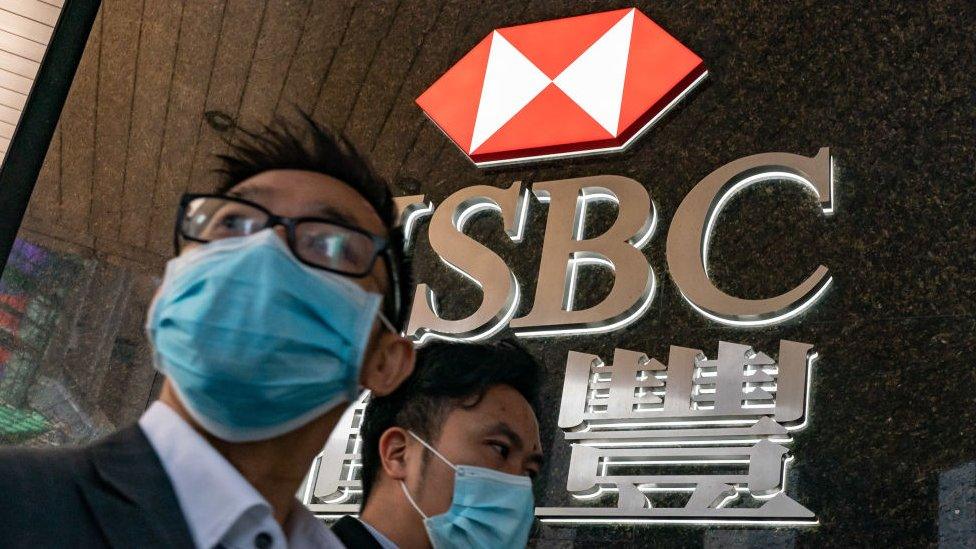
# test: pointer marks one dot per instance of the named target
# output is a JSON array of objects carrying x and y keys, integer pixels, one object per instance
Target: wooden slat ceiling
[
  {"x": 133, "y": 135},
  {"x": 26, "y": 27}
]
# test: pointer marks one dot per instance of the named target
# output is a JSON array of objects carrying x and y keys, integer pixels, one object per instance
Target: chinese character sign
[
  {"x": 696, "y": 440},
  {"x": 333, "y": 485}
]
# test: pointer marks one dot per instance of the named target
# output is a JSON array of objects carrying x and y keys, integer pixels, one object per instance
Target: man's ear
[
  {"x": 393, "y": 452},
  {"x": 389, "y": 365}
]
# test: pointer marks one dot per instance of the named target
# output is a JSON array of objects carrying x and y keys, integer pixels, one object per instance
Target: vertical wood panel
[
  {"x": 326, "y": 27},
  {"x": 368, "y": 27},
  {"x": 404, "y": 118},
  {"x": 391, "y": 65},
  {"x": 78, "y": 139},
  {"x": 157, "y": 51},
  {"x": 120, "y": 30},
  {"x": 276, "y": 45},
  {"x": 238, "y": 36},
  {"x": 191, "y": 80},
  {"x": 356, "y": 65}
]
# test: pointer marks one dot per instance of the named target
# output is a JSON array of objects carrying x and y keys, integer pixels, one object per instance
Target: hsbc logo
[
  {"x": 579, "y": 85},
  {"x": 585, "y": 85}
]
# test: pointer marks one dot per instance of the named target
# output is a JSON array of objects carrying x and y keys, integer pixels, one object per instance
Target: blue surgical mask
[
  {"x": 255, "y": 342},
  {"x": 489, "y": 509}
]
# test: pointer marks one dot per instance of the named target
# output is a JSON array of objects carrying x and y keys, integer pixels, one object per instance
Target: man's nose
[{"x": 281, "y": 232}]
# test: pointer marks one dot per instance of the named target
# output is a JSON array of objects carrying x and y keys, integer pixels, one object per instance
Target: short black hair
[
  {"x": 309, "y": 146},
  {"x": 447, "y": 376}
]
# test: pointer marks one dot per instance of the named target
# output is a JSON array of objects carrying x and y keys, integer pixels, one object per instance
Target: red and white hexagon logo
[{"x": 579, "y": 85}]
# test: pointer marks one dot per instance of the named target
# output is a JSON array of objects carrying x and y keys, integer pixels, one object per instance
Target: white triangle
[
  {"x": 595, "y": 80},
  {"x": 511, "y": 81}
]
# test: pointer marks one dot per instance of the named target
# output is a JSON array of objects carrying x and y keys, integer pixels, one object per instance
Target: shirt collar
[
  {"x": 385, "y": 542},
  {"x": 212, "y": 493},
  {"x": 307, "y": 532}
]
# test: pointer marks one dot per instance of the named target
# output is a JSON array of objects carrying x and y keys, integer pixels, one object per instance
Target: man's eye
[
  {"x": 230, "y": 221},
  {"x": 331, "y": 246},
  {"x": 502, "y": 449},
  {"x": 234, "y": 222},
  {"x": 351, "y": 254}
]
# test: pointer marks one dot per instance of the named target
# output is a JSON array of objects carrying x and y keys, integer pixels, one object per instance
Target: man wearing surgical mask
[
  {"x": 284, "y": 300},
  {"x": 449, "y": 457}
]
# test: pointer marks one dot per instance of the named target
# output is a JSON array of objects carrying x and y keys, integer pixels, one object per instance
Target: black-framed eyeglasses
[{"x": 326, "y": 244}]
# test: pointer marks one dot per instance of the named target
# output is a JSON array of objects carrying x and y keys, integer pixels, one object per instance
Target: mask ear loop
[
  {"x": 435, "y": 452},
  {"x": 403, "y": 485},
  {"x": 386, "y": 322}
]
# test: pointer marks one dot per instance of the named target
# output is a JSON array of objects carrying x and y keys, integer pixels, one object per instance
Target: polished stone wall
[
  {"x": 887, "y": 455},
  {"x": 888, "y": 87}
]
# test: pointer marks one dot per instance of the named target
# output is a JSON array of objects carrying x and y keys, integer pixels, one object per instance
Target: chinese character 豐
[{"x": 695, "y": 440}]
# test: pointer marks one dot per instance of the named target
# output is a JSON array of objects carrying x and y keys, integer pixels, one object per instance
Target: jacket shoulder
[
  {"x": 33, "y": 470},
  {"x": 114, "y": 492},
  {"x": 39, "y": 487}
]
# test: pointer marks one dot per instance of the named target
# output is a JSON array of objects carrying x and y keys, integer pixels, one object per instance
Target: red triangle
[
  {"x": 657, "y": 64},
  {"x": 553, "y": 45},
  {"x": 551, "y": 119},
  {"x": 452, "y": 101}
]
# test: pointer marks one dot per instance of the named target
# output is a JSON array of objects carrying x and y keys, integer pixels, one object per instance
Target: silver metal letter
[
  {"x": 687, "y": 245},
  {"x": 564, "y": 250},
  {"x": 410, "y": 209},
  {"x": 333, "y": 485},
  {"x": 500, "y": 290}
]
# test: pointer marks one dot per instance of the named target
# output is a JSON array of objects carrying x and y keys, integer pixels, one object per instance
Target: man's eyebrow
[
  {"x": 324, "y": 210},
  {"x": 247, "y": 193},
  {"x": 330, "y": 212},
  {"x": 503, "y": 429}
]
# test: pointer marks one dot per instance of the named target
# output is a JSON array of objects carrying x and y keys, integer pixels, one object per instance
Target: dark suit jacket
[
  {"x": 353, "y": 534},
  {"x": 114, "y": 493}
]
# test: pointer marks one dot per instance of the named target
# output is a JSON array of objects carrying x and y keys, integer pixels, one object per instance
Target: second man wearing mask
[{"x": 449, "y": 457}]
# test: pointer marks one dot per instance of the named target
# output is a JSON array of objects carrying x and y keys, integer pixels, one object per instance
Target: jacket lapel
[
  {"x": 131, "y": 496},
  {"x": 353, "y": 534}
]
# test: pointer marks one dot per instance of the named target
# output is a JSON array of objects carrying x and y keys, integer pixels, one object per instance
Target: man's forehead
[
  {"x": 508, "y": 411},
  {"x": 297, "y": 193}
]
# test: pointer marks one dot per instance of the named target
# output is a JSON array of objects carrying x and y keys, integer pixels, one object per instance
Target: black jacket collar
[
  {"x": 131, "y": 496},
  {"x": 354, "y": 535}
]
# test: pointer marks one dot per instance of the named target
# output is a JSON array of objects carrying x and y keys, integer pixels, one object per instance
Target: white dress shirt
[{"x": 221, "y": 508}]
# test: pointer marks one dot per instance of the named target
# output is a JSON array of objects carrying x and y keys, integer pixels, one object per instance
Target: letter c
[{"x": 688, "y": 237}]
